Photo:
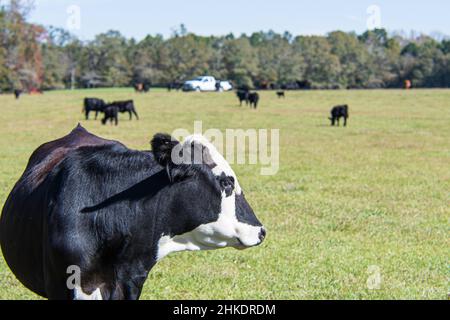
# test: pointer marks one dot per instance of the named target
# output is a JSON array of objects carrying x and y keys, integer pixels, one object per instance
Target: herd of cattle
[
  {"x": 245, "y": 95},
  {"x": 110, "y": 110}
]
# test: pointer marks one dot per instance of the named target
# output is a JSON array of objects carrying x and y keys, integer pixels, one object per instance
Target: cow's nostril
[{"x": 262, "y": 234}]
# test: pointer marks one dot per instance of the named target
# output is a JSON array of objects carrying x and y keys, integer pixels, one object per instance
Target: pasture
[{"x": 345, "y": 204}]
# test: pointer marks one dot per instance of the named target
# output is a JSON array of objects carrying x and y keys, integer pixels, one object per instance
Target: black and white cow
[{"x": 93, "y": 204}]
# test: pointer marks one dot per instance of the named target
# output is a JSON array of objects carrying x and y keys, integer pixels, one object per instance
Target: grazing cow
[
  {"x": 111, "y": 114},
  {"x": 90, "y": 218},
  {"x": 339, "y": 112},
  {"x": 242, "y": 96},
  {"x": 93, "y": 104},
  {"x": 281, "y": 94},
  {"x": 17, "y": 93},
  {"x": 253, "y": 99},
  {"x": 126, "y": 106}
]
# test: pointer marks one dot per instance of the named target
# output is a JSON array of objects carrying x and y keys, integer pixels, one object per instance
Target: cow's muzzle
[{"x": 246, "y": 244}]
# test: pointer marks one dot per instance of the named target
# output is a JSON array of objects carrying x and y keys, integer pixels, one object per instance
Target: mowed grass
[{"x": 344, "y": 200}]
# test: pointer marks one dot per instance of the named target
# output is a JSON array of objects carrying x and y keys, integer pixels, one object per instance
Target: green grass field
[{"x": 373, "y": 194}]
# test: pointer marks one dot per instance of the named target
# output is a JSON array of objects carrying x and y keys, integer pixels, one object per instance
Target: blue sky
[{"x": 137, "y": 18}]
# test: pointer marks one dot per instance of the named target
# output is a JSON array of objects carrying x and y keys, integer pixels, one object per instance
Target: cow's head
[{"x": 208, "y": 209}]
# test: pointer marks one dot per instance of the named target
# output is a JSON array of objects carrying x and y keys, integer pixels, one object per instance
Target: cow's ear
[{"x": 162, "y": 146}]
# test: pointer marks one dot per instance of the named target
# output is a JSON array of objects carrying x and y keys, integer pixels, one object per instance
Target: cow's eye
[{"x": 226, "y": 184}]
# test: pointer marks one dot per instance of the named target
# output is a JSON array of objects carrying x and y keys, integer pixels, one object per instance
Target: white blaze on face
[
  {"x": 222, "y": 166},
  {"x": 227, "y": 231}
]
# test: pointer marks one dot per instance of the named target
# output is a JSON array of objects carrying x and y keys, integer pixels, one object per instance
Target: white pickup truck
[{"x": 207, "y": 84}]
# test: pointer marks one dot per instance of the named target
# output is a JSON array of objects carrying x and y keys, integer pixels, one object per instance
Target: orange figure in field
[{"x": 408, "y": 84}]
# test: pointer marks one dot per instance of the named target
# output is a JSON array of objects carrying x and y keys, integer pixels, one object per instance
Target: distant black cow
[
  {"x": 253, "y": 99},
  {"x": 17, "y": 93},
  {"x": 339, "y": 112},
  {"x": 174, "y": 86},
  {"x": 93, "y": 104},
  {"x": 243, "y": 96},
  {"x": 281, "y": 94},
  {"x": 126, "y": 106},
  {"x": 111, "y": 114}
]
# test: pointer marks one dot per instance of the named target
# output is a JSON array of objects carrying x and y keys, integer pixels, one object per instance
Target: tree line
[{"x": 34, "y": 56}]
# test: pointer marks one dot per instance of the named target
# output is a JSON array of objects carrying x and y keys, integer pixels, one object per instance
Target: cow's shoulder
[
  {"x": 50, "y": 154},
  {"x": 106, "y": 168},
  {"x": 103, "y": 175}
]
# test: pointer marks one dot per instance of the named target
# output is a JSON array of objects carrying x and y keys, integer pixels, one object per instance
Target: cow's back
[{"x": 22, "y": 223}]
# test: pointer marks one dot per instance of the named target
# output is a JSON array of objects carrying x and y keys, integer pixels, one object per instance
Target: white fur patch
[
  {"x": 80, "y": 295},
  {"x": 227, "y": 231},
  {"x": 222, "y": 165}
]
